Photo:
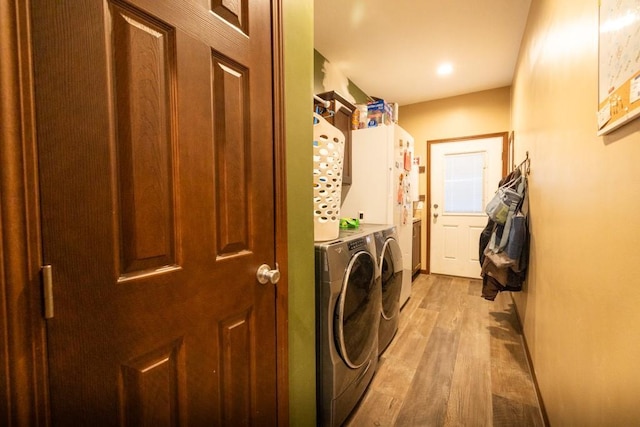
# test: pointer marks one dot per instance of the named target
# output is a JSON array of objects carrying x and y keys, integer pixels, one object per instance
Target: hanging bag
[
  {"x": 517, "y": 236},
  {"x": 506, "y": 198},
  {"x": 509, "y": 228},
  {"x": 507, "y": 241},
  {"x": 512, "y": 237}
]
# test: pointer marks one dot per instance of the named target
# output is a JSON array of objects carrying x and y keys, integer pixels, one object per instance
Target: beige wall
[
  {"x": 581, "y": 304},
  {"x": 460, "y": 116}
]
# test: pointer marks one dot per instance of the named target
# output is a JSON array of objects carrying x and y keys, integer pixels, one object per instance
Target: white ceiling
[{"x": 391, "y": 48}]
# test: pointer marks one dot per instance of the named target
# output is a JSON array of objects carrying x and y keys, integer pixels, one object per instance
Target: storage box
[{"x": 379, "y": 112}]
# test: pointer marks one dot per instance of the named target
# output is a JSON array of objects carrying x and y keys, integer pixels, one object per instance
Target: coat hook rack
[{"x": 526, "y": 162}]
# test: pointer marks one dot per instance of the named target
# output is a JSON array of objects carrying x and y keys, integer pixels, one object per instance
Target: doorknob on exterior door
[{"x": 435, "y": 214}]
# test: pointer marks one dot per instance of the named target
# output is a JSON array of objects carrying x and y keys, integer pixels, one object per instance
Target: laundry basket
[{"x": 328, "y": 155}]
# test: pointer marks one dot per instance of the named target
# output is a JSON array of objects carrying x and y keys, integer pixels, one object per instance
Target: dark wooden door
[{"x": 155, "y": 138}]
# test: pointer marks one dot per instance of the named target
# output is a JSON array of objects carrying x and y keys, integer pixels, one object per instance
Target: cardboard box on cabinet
[{"x": 379, "y": 112}]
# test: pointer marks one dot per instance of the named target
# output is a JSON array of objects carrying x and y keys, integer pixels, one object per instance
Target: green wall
[
  {"x": 298, "y": 68},
  {"x": 302, "y": 68},
  {"x": 318, "y": 76}
]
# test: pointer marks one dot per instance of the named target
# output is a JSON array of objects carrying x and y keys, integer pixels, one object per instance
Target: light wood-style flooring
[{"x": 456, "y": 360}]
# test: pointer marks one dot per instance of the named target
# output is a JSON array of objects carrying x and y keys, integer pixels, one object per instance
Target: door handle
[{"x": 265, "y": 274}]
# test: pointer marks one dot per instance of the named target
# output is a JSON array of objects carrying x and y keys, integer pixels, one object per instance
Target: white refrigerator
[{"x": 380, "y": 191}]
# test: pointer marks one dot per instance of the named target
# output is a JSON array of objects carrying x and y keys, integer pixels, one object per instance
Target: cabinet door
[
  {"x": 416, "y": 255},
  {"x": 342, "y": 120}
]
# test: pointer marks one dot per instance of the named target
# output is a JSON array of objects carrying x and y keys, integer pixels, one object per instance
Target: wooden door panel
[
  {"x": 236, "y": 367},
  {"x": 232, "y": 11},
  {"x": 230, "y": 94},
  {"x": 143, "y": 52},
  {"x": 213, "y": 27},
  {"x": 150, "y": 388},
  {"x": 157, "y": 200}
]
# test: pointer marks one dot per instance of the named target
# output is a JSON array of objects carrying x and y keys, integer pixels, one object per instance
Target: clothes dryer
[
  {"x": 348, "y": 299},
  {"x": 389, "y": 257}
]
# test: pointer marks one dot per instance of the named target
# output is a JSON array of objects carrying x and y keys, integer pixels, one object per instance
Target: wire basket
[{"x": 328, "y": 156}]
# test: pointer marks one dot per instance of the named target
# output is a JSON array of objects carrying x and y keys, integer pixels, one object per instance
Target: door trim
[
  {"x": 280, "y": 203},
  {"x": 24, "y": 387},
  {"x": 505, "y": 159}
]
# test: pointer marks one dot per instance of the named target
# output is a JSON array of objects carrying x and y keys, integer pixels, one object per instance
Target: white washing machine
[
  {"x": 348, "y": 302},
  {"x": 391, "y": 271}
]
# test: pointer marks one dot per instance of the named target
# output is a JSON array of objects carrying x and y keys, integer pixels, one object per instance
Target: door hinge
[{"x": 47, "y": 290}]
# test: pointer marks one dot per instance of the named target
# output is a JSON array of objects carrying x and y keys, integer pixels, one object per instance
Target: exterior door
[
  {"x": 464, "y": 175},
  {"x": 155, "y": 138}
]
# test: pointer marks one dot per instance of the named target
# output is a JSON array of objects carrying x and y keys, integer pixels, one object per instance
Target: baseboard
[{"x": 532, "y": 371}]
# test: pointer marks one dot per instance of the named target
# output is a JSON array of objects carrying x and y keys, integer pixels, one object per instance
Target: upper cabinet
[{"x": 339, "y": 113}]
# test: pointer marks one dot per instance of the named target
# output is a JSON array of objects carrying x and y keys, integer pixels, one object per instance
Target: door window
[{"x": 463, "y": 183}]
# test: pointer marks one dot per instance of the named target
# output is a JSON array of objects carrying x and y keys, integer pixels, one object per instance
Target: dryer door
[
  {"x": 357, "y": 311},
  {"x": 391, "y": 278}
]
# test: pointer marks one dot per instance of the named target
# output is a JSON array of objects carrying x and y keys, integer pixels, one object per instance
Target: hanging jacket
[{"x": 499, "y": 277}]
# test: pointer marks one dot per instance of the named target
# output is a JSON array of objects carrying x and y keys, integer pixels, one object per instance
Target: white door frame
[{"x": 505, "y": 161}]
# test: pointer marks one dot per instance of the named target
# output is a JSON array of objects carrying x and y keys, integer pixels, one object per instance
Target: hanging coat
[{"x": 508, "y": 269}]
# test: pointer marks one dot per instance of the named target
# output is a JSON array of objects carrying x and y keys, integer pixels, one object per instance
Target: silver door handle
[{"x": 265, "y": 274}]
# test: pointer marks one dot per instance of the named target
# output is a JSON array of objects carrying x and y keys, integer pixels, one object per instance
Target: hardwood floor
[{"x": 456, "y": 360}]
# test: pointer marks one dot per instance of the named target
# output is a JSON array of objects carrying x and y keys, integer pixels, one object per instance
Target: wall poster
[{"x": 619, "y": 63}]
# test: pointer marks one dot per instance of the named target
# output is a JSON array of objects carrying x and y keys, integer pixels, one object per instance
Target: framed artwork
[{"x": 618, "y": 63}]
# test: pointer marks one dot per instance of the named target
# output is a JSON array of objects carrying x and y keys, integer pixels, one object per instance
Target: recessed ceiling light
[{"x": 445, "y": 69}]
